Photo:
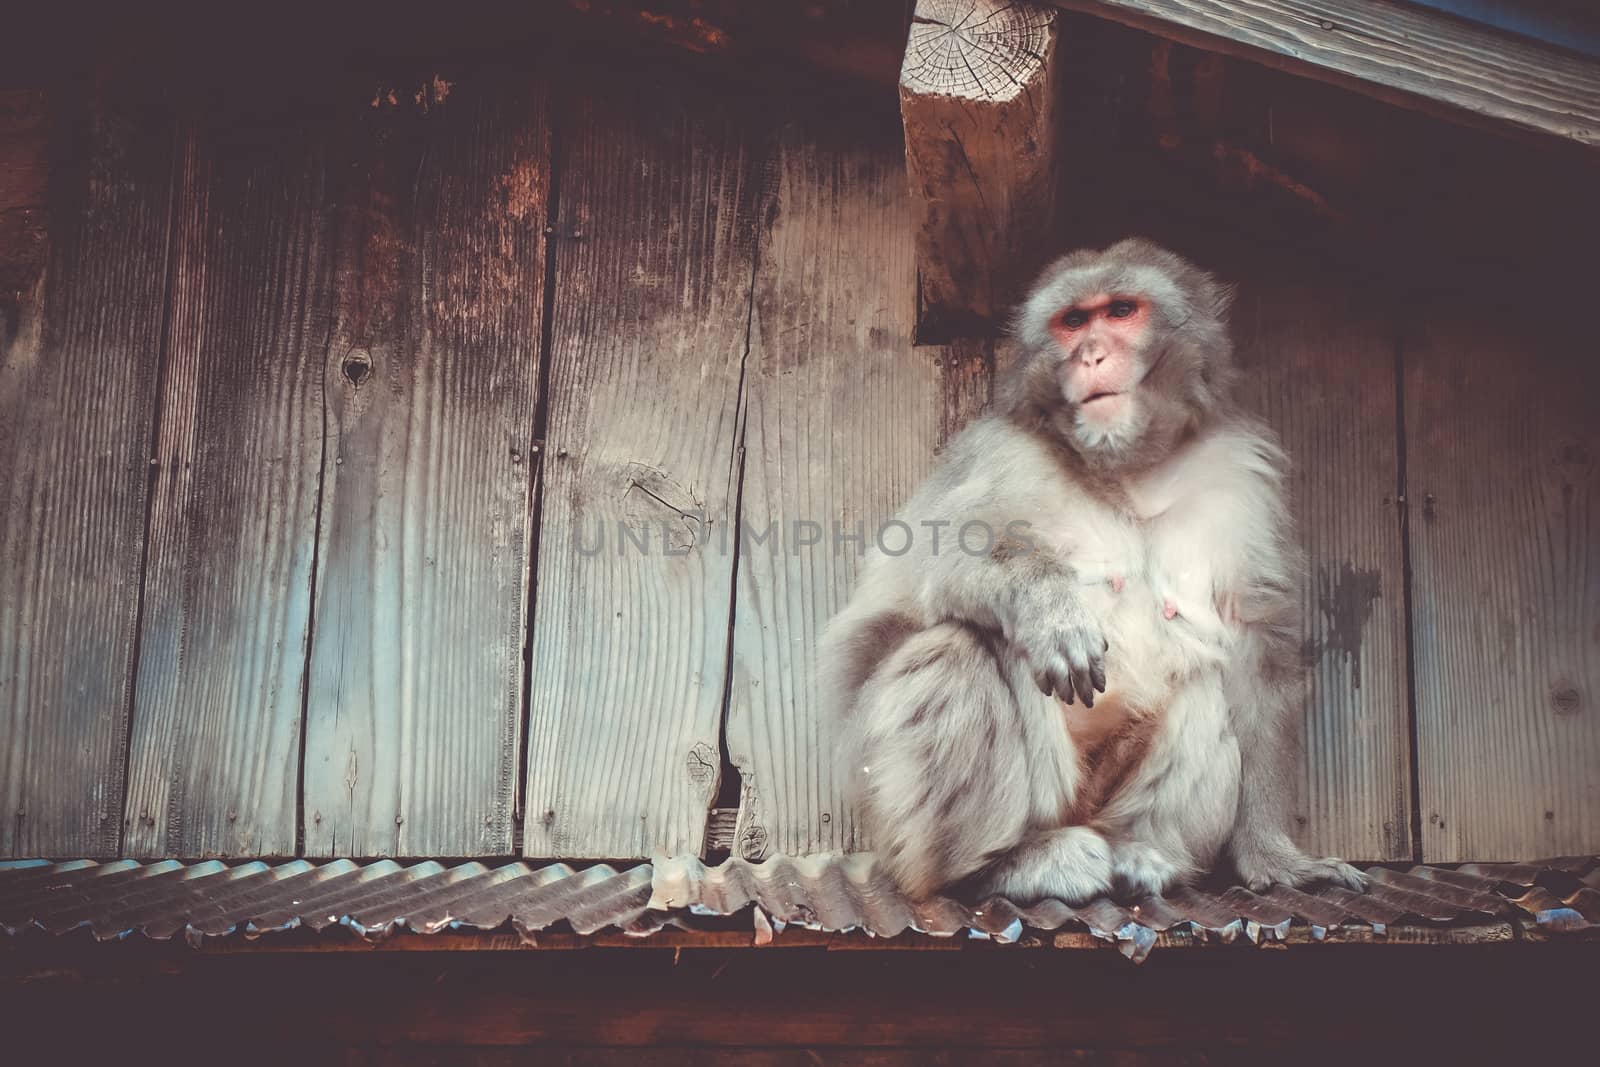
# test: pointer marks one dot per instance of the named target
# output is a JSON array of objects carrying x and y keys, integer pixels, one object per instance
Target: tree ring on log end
[{"x": 975, "y": 49}]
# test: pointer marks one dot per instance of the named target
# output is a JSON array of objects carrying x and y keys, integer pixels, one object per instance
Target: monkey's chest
[{"x": 1156, "y": 604}]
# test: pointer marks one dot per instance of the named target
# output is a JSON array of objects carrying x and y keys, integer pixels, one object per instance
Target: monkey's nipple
[
  {"x": 1117, "y": 583},
  {"x": 1169, "y": 610}
]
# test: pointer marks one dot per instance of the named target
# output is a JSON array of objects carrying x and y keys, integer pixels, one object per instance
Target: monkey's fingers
[
  {"x": 1065, "y": 687},
  {"x": 1097, "y": 674},
  {"x": 1056, "y": 677},
  {"x": 1085, "y": 687},
  {"x": 1049, "y": 679}
]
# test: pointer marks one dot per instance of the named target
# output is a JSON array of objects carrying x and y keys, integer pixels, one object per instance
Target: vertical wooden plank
[
  {"x": 414, "y": 710},
  {"x": 215, "y": 753},
  {"x": 80, "y": 340},
  {"x": 1503, "y": 468},
  {"x": 1318, "y": 355},
  {"x": 844, "y": 416},
  {"x": 648, "y": 342}
]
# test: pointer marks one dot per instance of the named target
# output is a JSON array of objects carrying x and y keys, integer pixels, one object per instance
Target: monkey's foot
[
  {"x": 1071, "y": 864},
  {"x": 1141, "y": 869},
  {"x": 1299, "y": 869}
]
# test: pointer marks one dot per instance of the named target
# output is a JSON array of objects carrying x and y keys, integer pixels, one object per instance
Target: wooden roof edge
[{"x": 1408, "y": 56}]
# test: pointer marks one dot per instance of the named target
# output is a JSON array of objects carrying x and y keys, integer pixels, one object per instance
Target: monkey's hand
[{"x": 1064, "y": 646}]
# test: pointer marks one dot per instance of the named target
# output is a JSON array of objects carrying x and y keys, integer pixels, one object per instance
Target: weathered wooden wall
[{"x": 320, "y": 438}]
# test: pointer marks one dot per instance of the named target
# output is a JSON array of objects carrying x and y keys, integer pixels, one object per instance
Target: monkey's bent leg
[
  {"x": 945, "y": 758},
  {"x": 1171, "y": 817}
]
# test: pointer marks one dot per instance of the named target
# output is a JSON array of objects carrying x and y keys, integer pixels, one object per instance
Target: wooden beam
[
  {"x": 657, "y": 1007},
  {"x": 975, "y": 97},
  {"x": 1392, "y": 51}
]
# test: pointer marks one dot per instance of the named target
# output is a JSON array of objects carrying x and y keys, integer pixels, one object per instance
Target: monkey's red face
[
  {"x": 1101, "y": 338},
  {"x": 1125, "y": 350}
]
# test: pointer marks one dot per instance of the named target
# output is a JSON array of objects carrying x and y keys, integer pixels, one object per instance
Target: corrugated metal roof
[
  {"x": 840, "y": 893},
  {"x": 830, "y": 893},
  {"x": 213, "y": 899}
]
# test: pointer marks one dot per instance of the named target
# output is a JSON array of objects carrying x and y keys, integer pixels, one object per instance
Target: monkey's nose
[{"x": 1091, "y": 354}]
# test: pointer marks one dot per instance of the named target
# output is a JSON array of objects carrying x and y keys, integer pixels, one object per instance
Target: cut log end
[
  {"x": 977, "y": 91},
  {"x": 987, "y": 50}
]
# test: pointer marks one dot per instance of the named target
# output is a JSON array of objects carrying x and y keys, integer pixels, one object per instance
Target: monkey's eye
[
  {"x": 1121, "y": 309},
  {"x": 1075, "y": 319}
]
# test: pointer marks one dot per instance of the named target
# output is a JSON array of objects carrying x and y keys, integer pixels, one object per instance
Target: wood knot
[
  {"x": 357, "y": 366},
  {"x": 753, "y": 844},
  {"x": 702, "y": 764},
  {"x": 1566, "y": 699}
]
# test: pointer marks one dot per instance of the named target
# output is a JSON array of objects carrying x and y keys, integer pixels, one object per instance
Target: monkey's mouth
[{"x": 1103, "y": 394}]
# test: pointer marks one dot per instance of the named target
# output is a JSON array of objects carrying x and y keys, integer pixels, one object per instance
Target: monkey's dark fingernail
[
  {"x": 1105, "y": 645},
  {"x": 1099, "y": 678}
]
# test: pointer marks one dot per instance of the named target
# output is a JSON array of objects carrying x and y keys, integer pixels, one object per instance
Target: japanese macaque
[{"x": 1104, "y": 697}]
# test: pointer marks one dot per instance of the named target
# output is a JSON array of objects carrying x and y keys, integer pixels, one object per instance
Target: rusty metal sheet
[
  {"x": 214, "y": 899},
  {"x": 1319, "y": 912},
  {"x": 1481, "y": 899},
  {"x": 1158, "y": 914},
  {"x": 843, "y": 893},
  {"x": 1206, "y": 914},
  {"x": 1576, "y": 912},
  {"x": 828, "y": 893}
]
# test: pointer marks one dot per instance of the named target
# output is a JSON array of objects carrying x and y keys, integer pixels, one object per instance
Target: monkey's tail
[{"x": 936, "y": 751}]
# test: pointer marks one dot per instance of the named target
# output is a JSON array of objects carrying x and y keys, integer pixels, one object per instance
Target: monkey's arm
[{"x": 1029, "y": 595}]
